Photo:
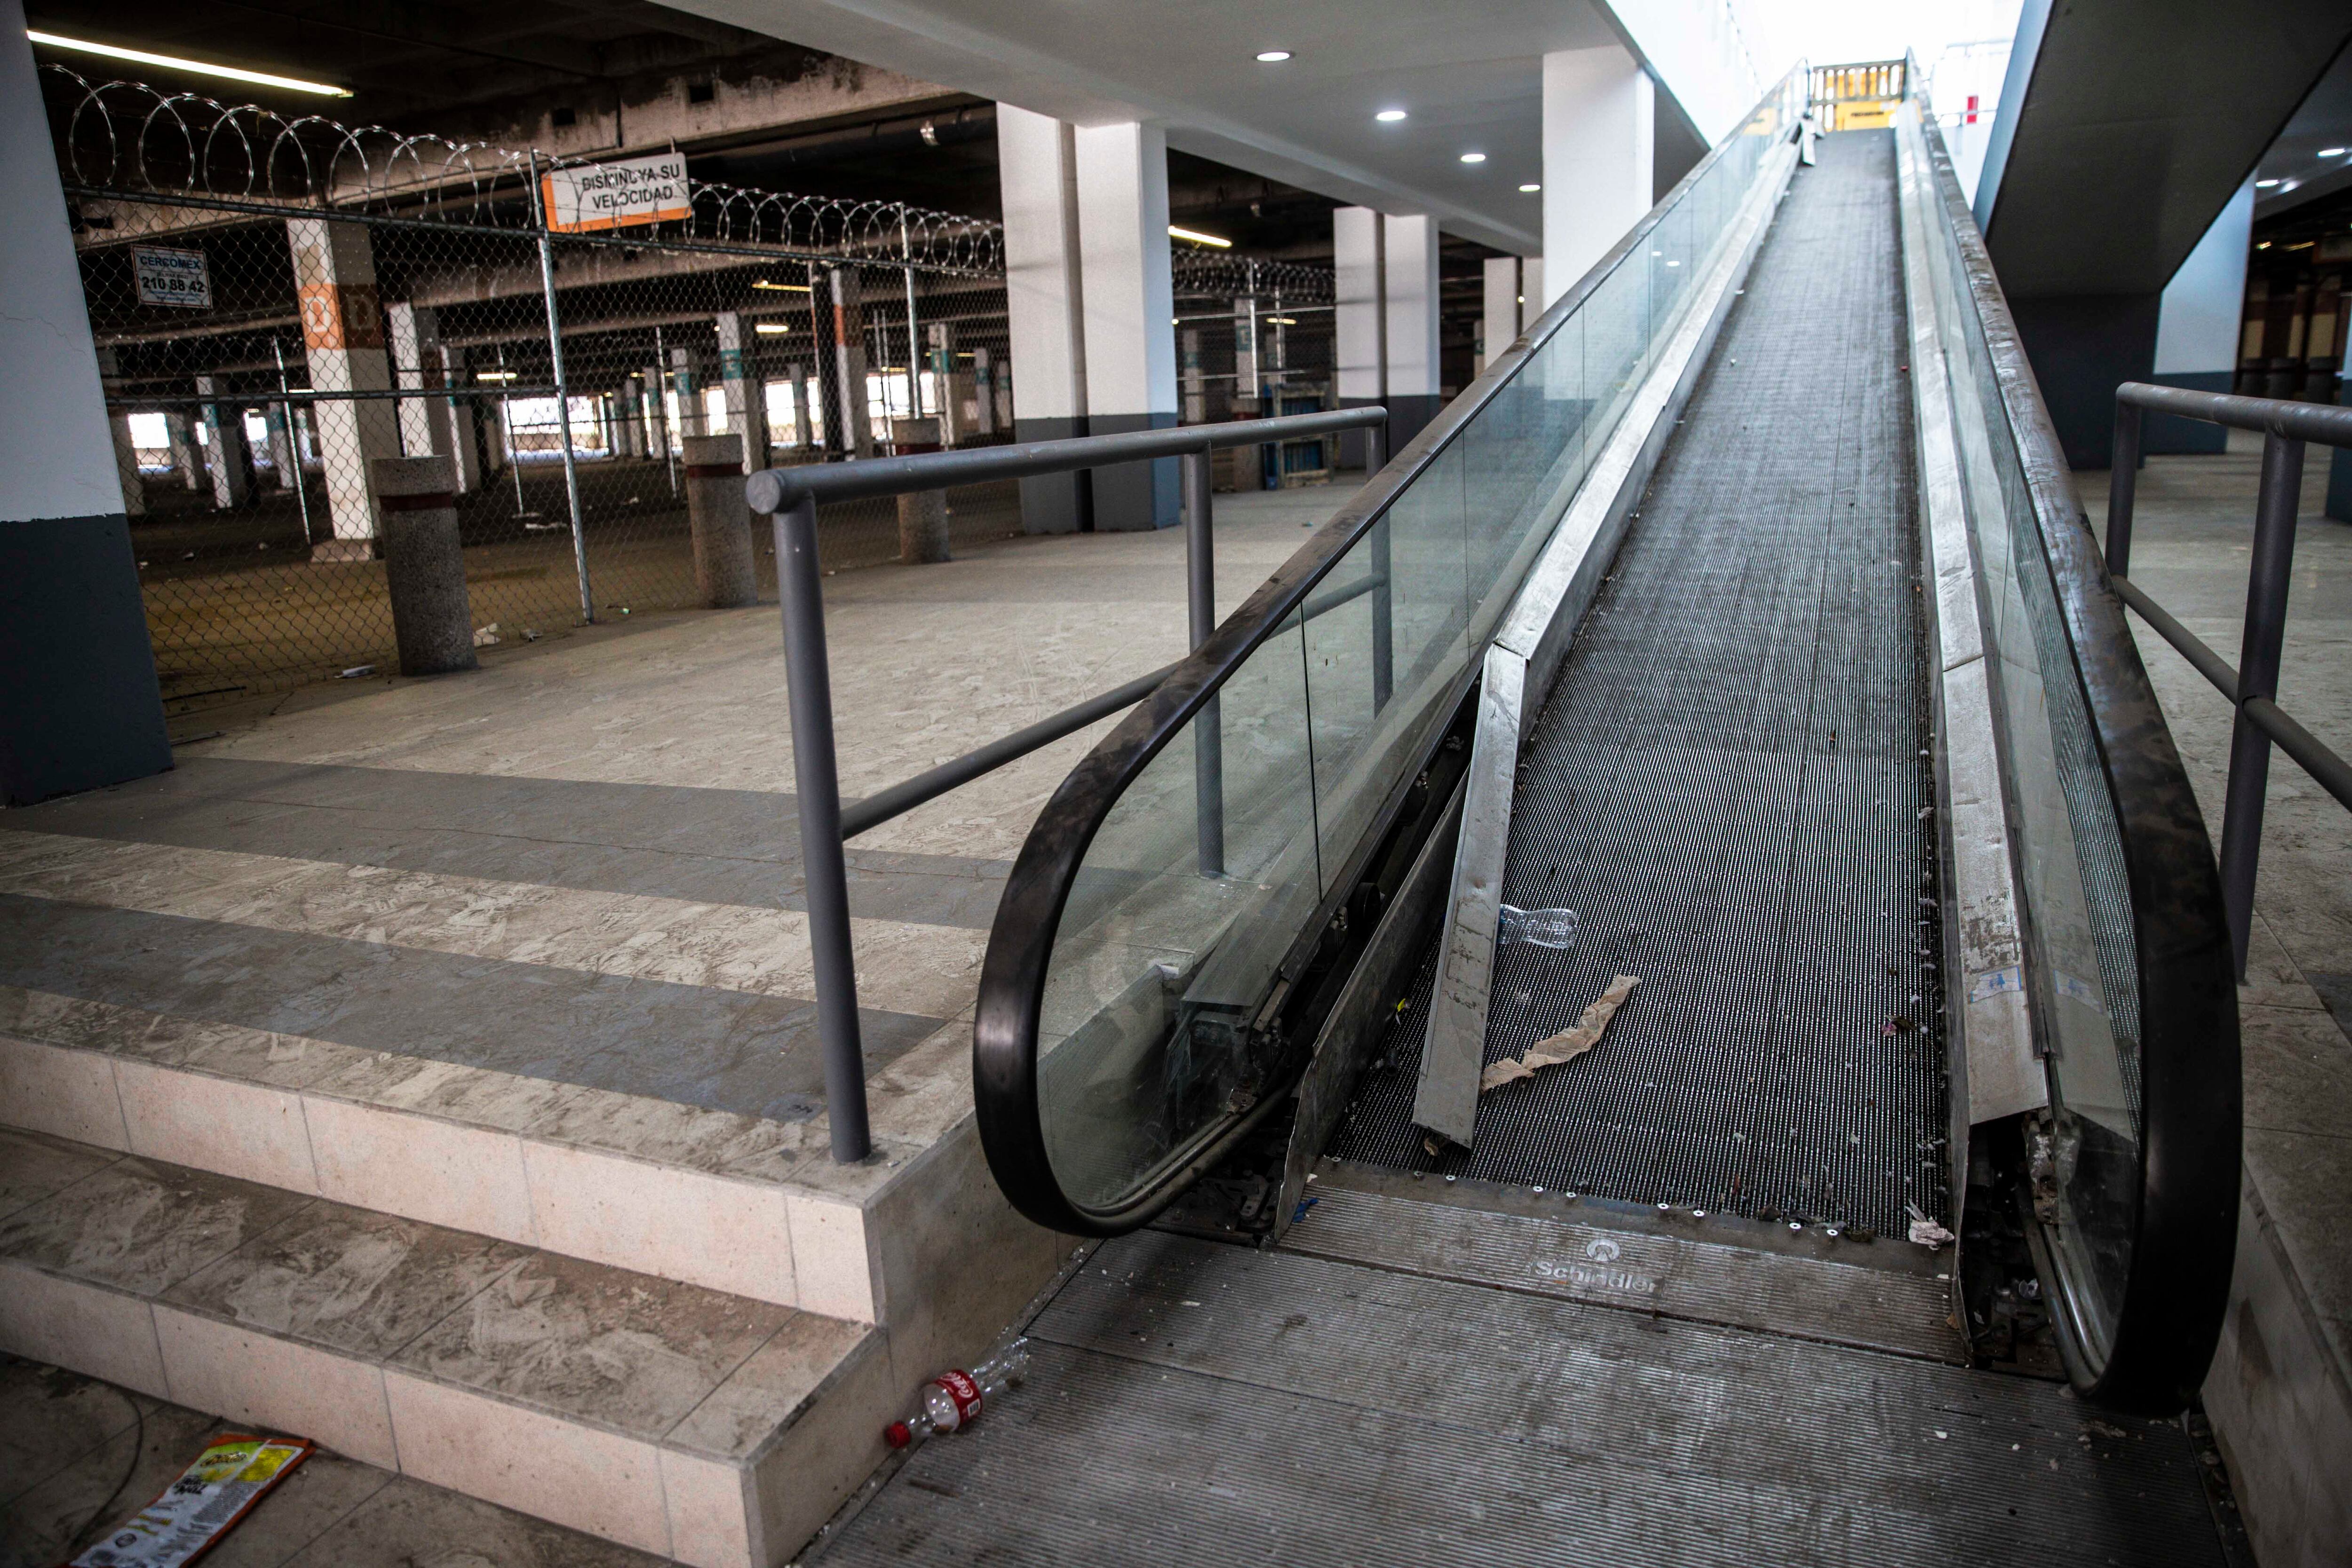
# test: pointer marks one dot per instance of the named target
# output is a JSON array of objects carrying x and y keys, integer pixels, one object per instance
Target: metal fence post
[
  {"x": 2123, "y": 489},
  {"x": 563, "y": 396},
  {"x": 1384, "y": 592},
  {"x": 1200, "y": 604},
  {"x": 914, "y": 348},
  {"x": 824, "y": 880},
  {"x": 2258, "y": 671}
]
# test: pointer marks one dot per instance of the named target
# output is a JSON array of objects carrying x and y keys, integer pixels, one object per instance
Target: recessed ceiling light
[
  {"x": 2264, "y": 185},
  {"x": 1272, "y": 57},
  {"x": 1529, "y": 190},
  {"x": 200, "y": 67},
  {"x": 1390, "y": 116},
  {"x": 2331, "y": 151},
  {"x": 1474, "y": 157}
]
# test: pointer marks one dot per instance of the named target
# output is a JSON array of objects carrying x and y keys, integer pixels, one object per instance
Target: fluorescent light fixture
[
  {"x": 1390, "y": 116},
  {"x": 1283, "y": 320},
  {"x": 1529, "y": 190},
  {"x": 772, "y": 329},
  {"x": 198, "y": 68},
  {"x": 494, "y": 375},
  {"x": 1197, "y": 237},
  {"x": 2331, "y": 151},
  {"x": 1474, "y": 157},
  {"x": 1272, "y": 57},
  {"x": 2261, "y": 245},
  {"x": 782, "y": 288},
  {"x": 2264, "y": 185}
]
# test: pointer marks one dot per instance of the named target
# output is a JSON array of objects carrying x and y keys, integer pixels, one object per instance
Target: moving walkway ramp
[{"x": 1744, "y": 609}]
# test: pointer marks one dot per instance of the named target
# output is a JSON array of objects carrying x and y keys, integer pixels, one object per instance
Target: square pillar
[
  {"x": 1358, "y": 330},
  {"x": 747, "y": 406},
  {"x": 185, "y": 459},
  {"x": 1036, "y": 160},
  {"x": 1600, "y": 113},
  {"x": 2198, "y": 322},
  {"x": 984, "y": 392},
  {"x": 226, "y": 455},
  {"x": 1500, "y": 322},
  {"x": 1409, "y": 250},
  {"x": 284, "y": 462},
  {"x": 457, "y": 426},
  {"x": 692, "y": 414},
  {"x": 413, "y": 337},
  {"x": 1129, "y": 296},
  {"x": 853, "y": 409},
  {"x": 343, "y": 341}
]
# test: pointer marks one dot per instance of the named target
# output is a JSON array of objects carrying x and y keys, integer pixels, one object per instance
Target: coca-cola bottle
[{"x": 953, "y": 1400}]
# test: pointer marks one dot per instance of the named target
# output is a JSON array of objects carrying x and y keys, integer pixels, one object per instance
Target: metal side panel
[
  {"x": 1446, "y": 1104},
  {"x": 1191, "y": 1402},
  {"x": 1379, "y": 982},
  {"x": 1995, "y": 1073}
]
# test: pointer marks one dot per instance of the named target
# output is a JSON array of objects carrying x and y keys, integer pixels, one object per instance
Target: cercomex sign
[
  {"x": 610, "y": 196},
  {"x": 172, "y": 277}
]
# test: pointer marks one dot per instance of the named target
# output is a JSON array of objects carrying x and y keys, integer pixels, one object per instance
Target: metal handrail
[
  {"x": 2251, "y": 687},
  {"x": 1020, "y": 947},
  {"x": 791, "y": 496},
  {"x": 2185, "y": 1229}
]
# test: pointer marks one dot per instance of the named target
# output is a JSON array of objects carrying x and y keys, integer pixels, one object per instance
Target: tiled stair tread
[
  {"x": 686, "y": 1368},
  {"x": 914, "y": 1100}
]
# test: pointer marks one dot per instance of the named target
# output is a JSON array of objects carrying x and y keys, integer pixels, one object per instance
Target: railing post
[
  {"x": 824, "y": 878},
  {"x": 1383, "y": 597},
  {"x": 2258, "y": 672},
  {"x": 2123, "y": 489},
  {"x": 1201, "y": 607},
  {"x": 562, "y": 397}
]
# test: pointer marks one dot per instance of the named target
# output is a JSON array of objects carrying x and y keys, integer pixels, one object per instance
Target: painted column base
[
  {"x": 79, "y": 707},
  {"x": 1054, "y": 503}
]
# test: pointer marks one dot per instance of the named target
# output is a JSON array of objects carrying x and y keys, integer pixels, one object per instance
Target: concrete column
[
  {"x": 950, "y": 386},
  {"x": 691, "y": 416},
  {"x": 654, "y": 413},
  {"x": 746, "y": 405},
  {"x": 227, "y": 454},
  {"x": 2197, "y": 326},
  {"x": 424, "y": 566},
  {"x": 183, "y": 449},
  {"x": 1196, "y": 391},
  {"x": 852, "y": 409},
  {"x": 457, "y": 426},
  {"x": 126, "y": 450},
  {"x": 1357, "y": 330},
  {"x": 1598, "y": 124},
  {"x": 78, "y": 703},
  {"x": 495, "y": 454},
  {"x": 983, "y": 392},
  {"x": 1500, "y": 322},
  {"x": 342, "y": 341},
  {"x": 923, "y": 527},
  {"x": 413, "y": 337},
  {"x": 725, "y": 572},
  {"x": 1411, "y": 250},
  {"x": 284, "y": 462},
  {"x": 1044, "y": 288},
  {"x": 1249, "y": 368},
  {"x": 1129, "y": 298}
]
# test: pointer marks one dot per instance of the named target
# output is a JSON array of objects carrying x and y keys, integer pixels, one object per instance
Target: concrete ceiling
[
  {"x": 2323, "y": 123},
  {"x": 2127, "y": 124},
  {"x": 1469, "y": 77}
]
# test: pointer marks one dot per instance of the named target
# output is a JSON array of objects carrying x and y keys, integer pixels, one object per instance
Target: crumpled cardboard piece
[{"x": 1569, "y": 1043}]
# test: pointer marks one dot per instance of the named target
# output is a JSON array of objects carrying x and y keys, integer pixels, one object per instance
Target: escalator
[{"x": 1743, "y": 608}]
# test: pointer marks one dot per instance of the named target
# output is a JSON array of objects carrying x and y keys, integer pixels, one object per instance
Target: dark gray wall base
[
  {"x": 2084, "y": 346},
  {"x": 1054, "y": 503},
  {"x": 2168, "y": 435},
  {"x": 1408, "y": 413},
  {"x": 1135, "y": 498},
  {"x": 79, "y": 705}
]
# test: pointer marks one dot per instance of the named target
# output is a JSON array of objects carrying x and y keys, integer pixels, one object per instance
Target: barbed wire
[
  {"x": 1223, "y": 275},
  {"x": 130, "y": 139}
]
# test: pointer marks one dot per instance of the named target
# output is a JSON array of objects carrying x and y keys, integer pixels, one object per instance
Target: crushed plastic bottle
[
  {"x": 953, "y": 1400},
  {"x": 1537, "y": 928}
]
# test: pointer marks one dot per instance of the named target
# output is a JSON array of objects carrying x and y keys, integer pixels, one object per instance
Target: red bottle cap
[{"x": 897, "y": 1434}]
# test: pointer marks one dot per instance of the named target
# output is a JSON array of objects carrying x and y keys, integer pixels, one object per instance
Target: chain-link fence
[
  {"x": 277, "y": 302},
  {"x": 1253, "y": 340}
]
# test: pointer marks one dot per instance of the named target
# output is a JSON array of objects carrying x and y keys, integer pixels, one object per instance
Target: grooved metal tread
[
  {"x": 1192, "y": 1402},
  {"x": 1727, "y": 784}
]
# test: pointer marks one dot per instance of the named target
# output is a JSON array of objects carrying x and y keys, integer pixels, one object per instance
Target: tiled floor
[{"x": 78, "y": 1455}]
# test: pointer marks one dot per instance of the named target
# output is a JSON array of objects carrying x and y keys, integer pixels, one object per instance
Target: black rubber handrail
[
  {"x": 2185, "y": 1235},
  {"x": 1021, "y": 942}
]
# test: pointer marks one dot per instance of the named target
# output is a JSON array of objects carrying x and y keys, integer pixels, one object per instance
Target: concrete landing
[{"x": 520, "y": 956}]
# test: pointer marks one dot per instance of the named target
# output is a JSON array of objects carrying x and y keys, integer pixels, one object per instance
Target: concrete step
[
  {"x": 916, "y": 1238},
  {"x": 712, "y": 1427}
]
